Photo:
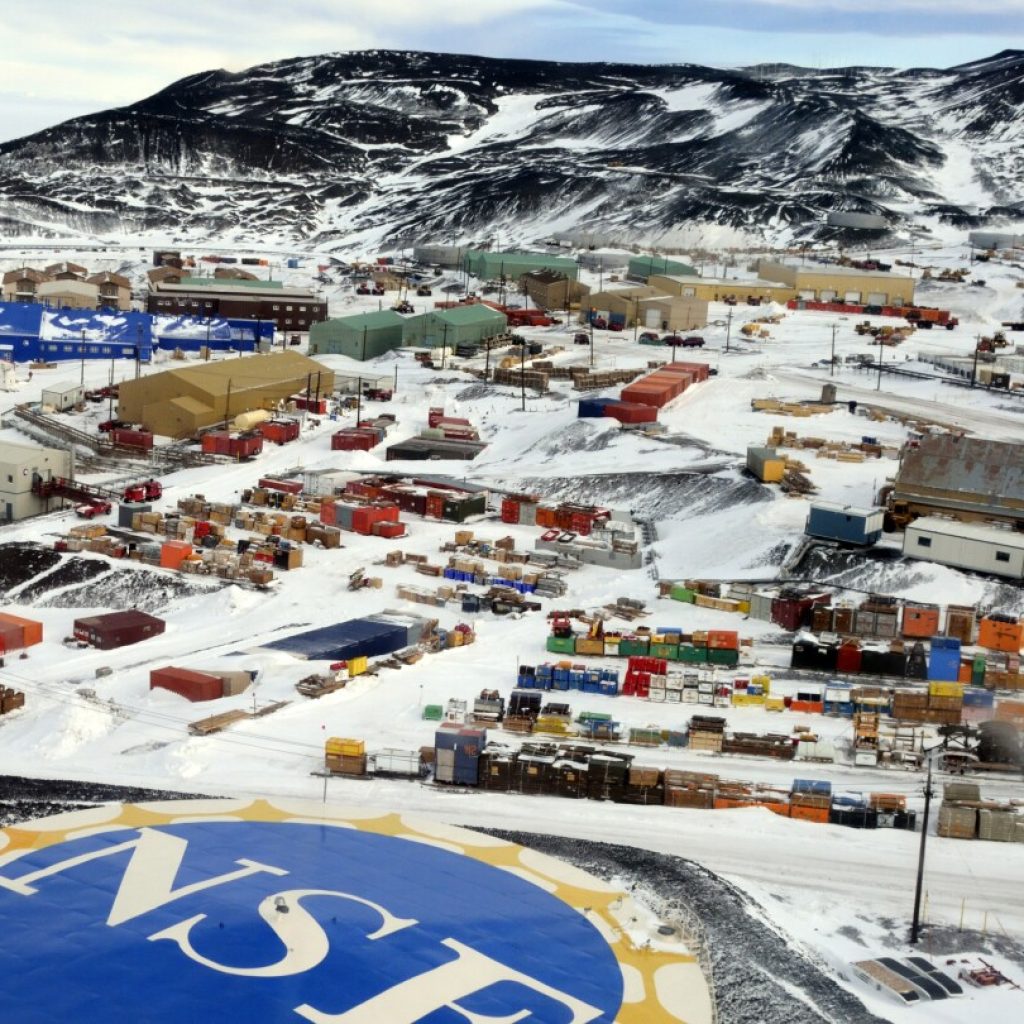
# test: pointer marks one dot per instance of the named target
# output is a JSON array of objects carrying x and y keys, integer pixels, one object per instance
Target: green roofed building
[
  {"x": 217, "y": 283},
  {"x": 459, "y": 325},
  {"x": 643, "y": 267},
  {"x": 361, "y": 336},
  {"x": 513, "y": 265}
]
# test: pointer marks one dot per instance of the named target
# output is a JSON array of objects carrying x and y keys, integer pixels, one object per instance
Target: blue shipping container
[
  {"x": 943, "y": 665},
  {"x": 344, "y": 640},
  {"x": 592, "y": 407},
  {"x": 846, "y": 524},
  {"x": 815, "y": 786}
]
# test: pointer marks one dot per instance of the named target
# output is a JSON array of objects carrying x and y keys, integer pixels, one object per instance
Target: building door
[
  {"x": 853, "y": 298},
  {"x": 877, "y": 298},
  {"x": 10, "y": 512},
  {"x": 828, "y": 295},
  {"x": 653, "y": 318}
]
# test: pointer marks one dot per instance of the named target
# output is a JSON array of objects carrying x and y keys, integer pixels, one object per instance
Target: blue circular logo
[{"x": 275, "y": 922}]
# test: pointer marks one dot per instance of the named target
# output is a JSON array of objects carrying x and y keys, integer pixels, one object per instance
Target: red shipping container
[
  {"x": 193, "y": 686},
  {"x": 12, "y": 637},
  {"x": 350, "y": 440},
  {"x": 632, "y": 412},
  {"x": 848, "y": 658},
  {"x": 132, "y": 438},
  {"x": 310, "y": 404},
  {"x": 216, "y": 442},
  {"x": 434, "y": 416},
  {"x": 280, "y": 431},
  {"x": 389, "y": 530},
  {"x": 698, "y": 371},
  {"x": 288, "y": 486},
  {"x": 509, "y": 510},
  {"x": 246, "y": 445},
  {"x": 435, "y": 506}
]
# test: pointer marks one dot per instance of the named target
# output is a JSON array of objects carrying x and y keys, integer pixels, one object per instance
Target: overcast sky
[{"x": 65, "y": 58}]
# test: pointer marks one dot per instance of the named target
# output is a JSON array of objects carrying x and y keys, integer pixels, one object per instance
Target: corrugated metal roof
[
  {"x": 475, "y": 313},
  {"x": 369, "y": 321},
  {"x": 988, "y": 474}
]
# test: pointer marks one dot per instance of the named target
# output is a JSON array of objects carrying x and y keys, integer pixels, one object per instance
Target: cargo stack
[
  {"x": 10, "y": 700},
  {"x": 689, "y": 789},
  {"x": 707, "y": 733},
  {"x": 457, "y": 755},
  {"x": 810, "y": 800},
  {"x": 941, "y": 705},
  {"x": 345, "y": 756},
  {"x": 608, "y": 775},
  {"x": 245, "y": 445},
  {"x": 279, "y": 431}
]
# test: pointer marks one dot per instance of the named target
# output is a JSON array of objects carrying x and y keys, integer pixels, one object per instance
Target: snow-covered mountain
[{"x": 384, "y": 147}]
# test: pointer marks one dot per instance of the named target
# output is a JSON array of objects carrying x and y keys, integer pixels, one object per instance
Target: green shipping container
[
  {"x": 723, "y": 657},
  {"x": 668, "y": 651},
  {"x": 562, "y": 644},
  {"x": 692, "y": 655},
  {"x": 629, "y": 648},
  {"x": 433, "y": 713},
  {"x": 680, "y": 593},
  {"x": 978, "y": 670}
]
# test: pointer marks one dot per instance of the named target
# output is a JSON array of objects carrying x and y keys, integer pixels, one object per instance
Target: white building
[
  {"x": 20, "y": 464},
  {"x": 973, "y": 546}
]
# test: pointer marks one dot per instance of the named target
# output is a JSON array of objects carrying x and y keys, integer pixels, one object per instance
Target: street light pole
[
  {"x": 915, "y": 927},
  {"x": 728, "y": 329},
  {"x": 881, "y": 352},
  {"x": 832, "y": 361},
  {"x": 974, "y": 369}
]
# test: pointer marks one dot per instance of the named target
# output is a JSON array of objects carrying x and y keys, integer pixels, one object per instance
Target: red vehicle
[
  {"x": 363, "y": 289},
  {"x": 615, "y": 325},
  {"x": 97, "y": 507},
  {"x": 649, "y": 336},
  {"x": 581, "y": 338},
  {"x": 148, "y": 490},
  {"x": 108, "y": 425},
  {"x": 693, "y": 341},
  {"x": 599, "y": 323},
  {"x": 378, "y": 289}
]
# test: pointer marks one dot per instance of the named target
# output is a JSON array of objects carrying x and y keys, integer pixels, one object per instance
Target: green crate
[
  {"x": 680, "y": 593},
  {"x": 725, "y": 656},
  {"x": 562, "y": 644},
  {"x": 433, "y": 713},
  {"x": 692, "y": 655},
  {"x": 594, "y": 716},
  {"x": 668, "y": 651},
  {"x": 631, "y": 648}
]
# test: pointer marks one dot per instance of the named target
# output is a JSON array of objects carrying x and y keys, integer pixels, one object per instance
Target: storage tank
[{"x": 248, "y": 420}]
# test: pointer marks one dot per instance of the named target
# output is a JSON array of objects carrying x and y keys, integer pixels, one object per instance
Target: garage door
[
  {"x": 652, "y": 317},
  {"x": 807, "y": 294},
  {"x": 689, "y": 292},
  {"x": 852, "y": 297},
  {"x": 877, "y": 298},
  {"x": 828, "y": 294}
]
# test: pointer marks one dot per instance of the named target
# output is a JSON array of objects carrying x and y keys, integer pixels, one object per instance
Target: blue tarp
[{"x": 345, "y": 640}]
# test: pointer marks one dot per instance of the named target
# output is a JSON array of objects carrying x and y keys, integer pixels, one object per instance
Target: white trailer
[{"x": 974, "y": 546}]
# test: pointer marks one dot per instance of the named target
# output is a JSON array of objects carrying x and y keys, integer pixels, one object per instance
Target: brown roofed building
[
  {"x": 180, "y": 402},
  {"x": 21, "y": 285},
  {"x": 551, "y": 289},
  {"x": 115, "y": 290},
  {"x": 171, "y": 275},
  {"x": 66, "y": 272}
]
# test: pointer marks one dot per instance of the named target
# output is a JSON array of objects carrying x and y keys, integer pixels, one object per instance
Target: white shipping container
[
  {"x": 397, "y": 762},
  {"x": 971, "y": 546}
]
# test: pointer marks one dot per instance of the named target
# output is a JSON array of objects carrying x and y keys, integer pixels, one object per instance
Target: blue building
[{"x": 32, "y": 332}]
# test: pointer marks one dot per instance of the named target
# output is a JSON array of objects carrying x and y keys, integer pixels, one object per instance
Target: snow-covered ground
[{"x": 840, "y": 893}]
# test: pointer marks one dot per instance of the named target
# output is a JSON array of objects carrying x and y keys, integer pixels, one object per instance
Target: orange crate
[
  {"x": 1001, "y": 636},
  {"x": 818, "y": 814},
  {"x": 920, "y": 622}
]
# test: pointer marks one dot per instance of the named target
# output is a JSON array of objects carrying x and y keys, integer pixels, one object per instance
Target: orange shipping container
[
  {"x": 31, "y": 631},
  {"x": 173, "y": 553},
  {"x": 546, "y": 516},
  {"x": 966, "y": 673},
  {"x": 1001, "y": 636},
  {"x": 724, "y": 639},
  {"x": 818, "y": 814},
  {"x": 920, "y": 621}
]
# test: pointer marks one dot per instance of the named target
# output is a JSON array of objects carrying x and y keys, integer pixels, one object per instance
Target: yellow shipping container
[
  {"x": 345, "y": 747},
  {"x": 774, "y": 704},
  {"x": 765, "y": 682},
  {"x": 945, "y": 689},
  {"x": 740, "y": 699},
  {"x": 357, "y": 666}
]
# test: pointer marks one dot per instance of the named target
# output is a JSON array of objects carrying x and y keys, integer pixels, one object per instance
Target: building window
[
  {"x": 288, "y": 309},
  {"x": 10, "y": 478},
  {"x": 277, "y": 309},
  {"x": 302, "y": 309},
  {"x": 288, "y": 322},
  {"x": 924, "y": 542},
  {"x": 1002, "y": 556}
]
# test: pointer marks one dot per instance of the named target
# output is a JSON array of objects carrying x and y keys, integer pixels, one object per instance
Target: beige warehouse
[
  {"x": 717, "y": 289},
  {"x": 178, "y": 403},
  {"x": 650, "y": 307},
  {"x": 828, "y": 283}
]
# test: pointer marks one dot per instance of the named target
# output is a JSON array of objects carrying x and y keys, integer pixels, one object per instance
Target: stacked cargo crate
[
  {"x": 810, "y": 800},
  {"x": 457, "y": 755},
  {"x": 10, "y": 700},
  {"x": 689, "y": 789},
  {"x": 707, "y": 733},
  {"x": 345, "y": 756}
]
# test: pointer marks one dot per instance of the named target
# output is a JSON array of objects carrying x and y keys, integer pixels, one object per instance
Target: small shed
[
  {"x": 362, "y": 336},
  {"x": 62, "y": 398},
  {"x": 973, "y": 546}
]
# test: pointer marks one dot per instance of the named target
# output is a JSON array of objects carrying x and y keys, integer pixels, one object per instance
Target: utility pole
[
  {"x": 359, "y": 399},
  {"x": 881, "y": 351},
  {"x": 974, "y": 369},
  {"x": 227, "y": 405},
  {"x": 81, "y": 382},
  {"x": 487, "y": 359},
  {"x": 522, "y": 377},
  {"x": 915, "y": 928},
  {"x": 636, "y": 317},
  {"x": 832, "y": 361},
  {"x": 364, "y": 344},
  {"x": 444, "y": 344},
  {"x": 728, "y": 329}
]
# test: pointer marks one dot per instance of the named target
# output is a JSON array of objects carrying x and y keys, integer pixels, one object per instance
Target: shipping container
[
  {"x": 131, "y": 438},
  {"x": 117, "y": 629},
  {"x": 765, "y": 464},
  {"x": 632, "y": 412},
  {"x": 920, "y": 620},
  {"x": 173, "y": 553},
  {"x": 193, "y": 686},
  {"x": 846, "y": 524},
  {"x": 279, "y": 431},
  {"x": 20, "y": 631}
]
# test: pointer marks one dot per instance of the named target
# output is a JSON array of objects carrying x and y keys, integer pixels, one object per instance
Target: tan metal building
[
  {"x": 19, "y": 465},
  {"x": 649, "y": 306},
  {"x": 179, "y": 402},
  {"x": 717, "y": 289},
  {"x": 66, "y": 271},
  {"x": 671, "y": 313},
  {"x": 828, "y": 283},
  {"x": 68, "y": 293},
  {"x": 551, "y": 289}
]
